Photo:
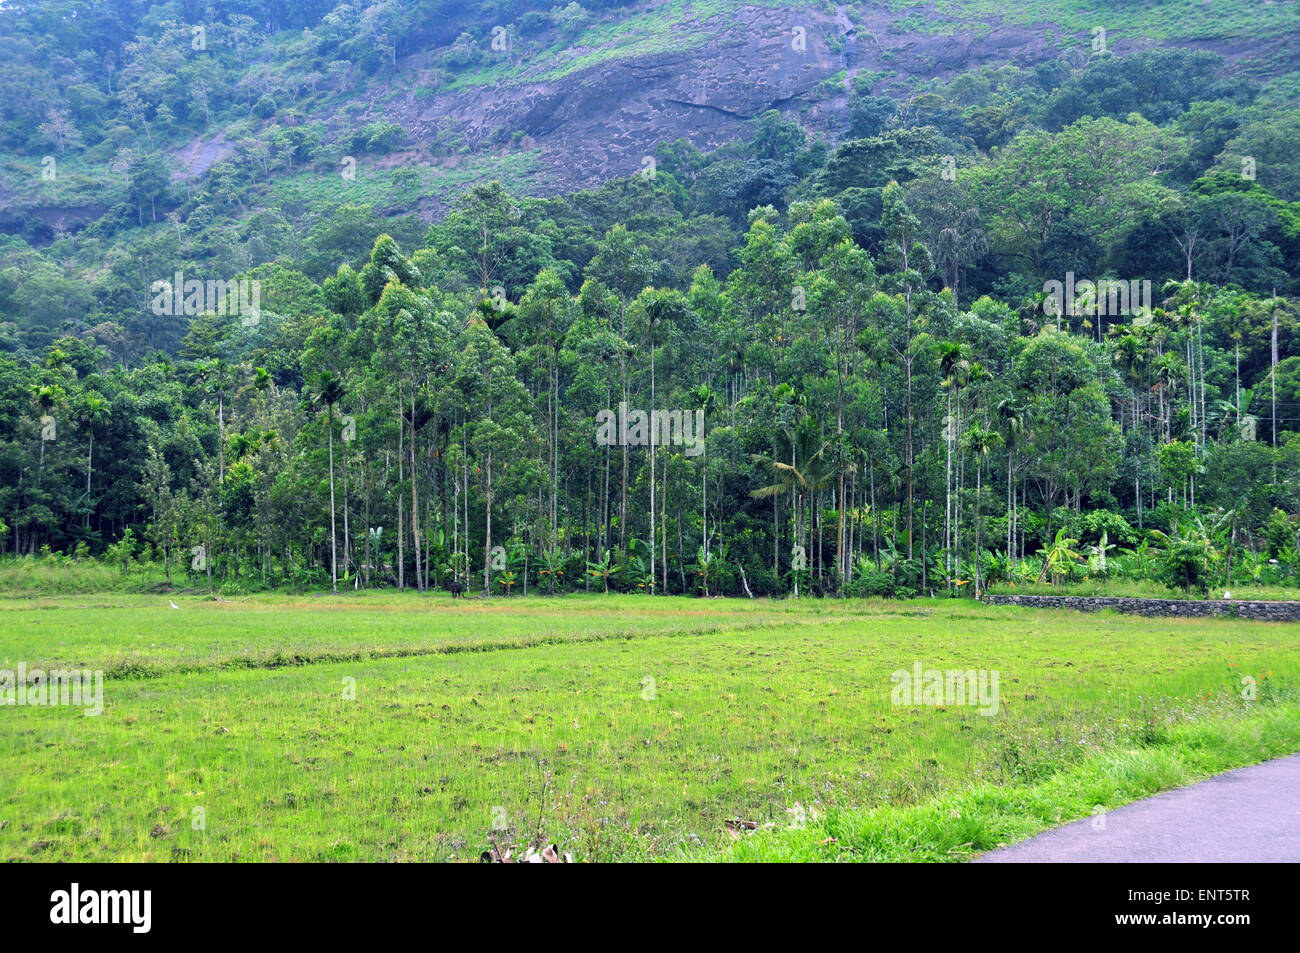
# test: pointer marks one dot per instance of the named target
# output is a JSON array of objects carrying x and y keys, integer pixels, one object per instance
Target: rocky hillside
[
  {"x": 594, "y": 107},
  {"x": 550, "y": 100}
]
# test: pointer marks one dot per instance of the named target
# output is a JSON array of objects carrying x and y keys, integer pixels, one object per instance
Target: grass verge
[{"x": 963, "y": 825}]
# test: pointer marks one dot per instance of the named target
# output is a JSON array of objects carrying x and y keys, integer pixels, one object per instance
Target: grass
[
  {"x": 1146, "y": 589},
  {"x": 538, "y": 715},
  {"x": 964, "y": 824},
  {"x": 403, "y": 185},
  {"x": 134, "y": 636},
  {"x": 677, "y": 26},
  {"x": 1132, "y": 21}
]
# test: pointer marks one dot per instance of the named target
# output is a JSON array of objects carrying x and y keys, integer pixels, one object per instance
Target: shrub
[
  {"x": 378, "y": 137},
  {"x": 1187, "y": 565},
  {"x": 1279, "y": 533},
  {"x": 868, "y": 583}
]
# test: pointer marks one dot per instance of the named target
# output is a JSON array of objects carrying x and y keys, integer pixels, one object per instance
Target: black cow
[{"x": 455, "y": 588}]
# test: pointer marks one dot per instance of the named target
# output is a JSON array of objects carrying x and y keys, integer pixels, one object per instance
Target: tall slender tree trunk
[
  {"x": 401, "y": 527},
  {"x": 979, "y": 478},
  {"x": 1273, "y": 377},
  {"x": 221, "y": 437},
  {"x": 347, "y": 543},
  {"x": 654, "y": 446},
  {"x": 910, "y": 462},
  {"x": 334, "y": 550},
  {"x": 487, "y": 535},
  {"x": 415, "y": 505}
]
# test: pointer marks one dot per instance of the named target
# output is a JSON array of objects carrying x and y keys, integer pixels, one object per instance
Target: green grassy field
[{"x": 537, "y": 717}]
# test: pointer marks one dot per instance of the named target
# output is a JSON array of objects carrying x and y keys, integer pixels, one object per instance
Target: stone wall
[{"x": 1241, "y": 609}]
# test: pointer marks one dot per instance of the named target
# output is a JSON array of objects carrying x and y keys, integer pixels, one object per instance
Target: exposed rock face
[
  {"x": 700, "y": 79},
  {"x": 202, "y": 154},
  {"x": 597, "y": 123},
  {"x": 1243, "y": 609}
]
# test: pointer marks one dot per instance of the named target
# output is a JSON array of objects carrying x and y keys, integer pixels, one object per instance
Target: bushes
[
  {"x": 1087, "y": 526},
  {"x": 871, "y": 583},
  {"x": 1279, "y": 534},
  {"x": 1188, "y": 563},
  {"x": 58, "y": 573},
  {"x": 378, "y": 137}
]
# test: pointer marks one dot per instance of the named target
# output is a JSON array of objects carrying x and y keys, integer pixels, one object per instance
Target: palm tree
[
  {"x": 1059, "y": 558},
  {"x": 980, "y": 442},
  {"x": 954, "y": 367},
  {"x": 1169, "y": 372},
  {"x": 46, "y": 396},
  {"x": 706, "y": 398},
  {"x": 1187, "y": 303},
  {"x": 329, "y": 391},
  {"x": 1014, "y": 419},
  {"x": 961, "y": 240},
  {"x": 806, "y": 472},
  {"x": 93, "y": 413}
]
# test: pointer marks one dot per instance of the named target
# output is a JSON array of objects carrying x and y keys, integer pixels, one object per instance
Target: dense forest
[{"x": 1024, "y": 325}]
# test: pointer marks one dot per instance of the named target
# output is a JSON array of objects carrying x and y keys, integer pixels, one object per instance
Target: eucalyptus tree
[
  {"x": 903, "y": 304},
  {"x": 544, "y": 316},
  {"x": 591, "y": 354},
  {"x": 499, "y": 432},
  {"x": 1074, "y": 444},
  {"x": 327, "y": 390},
  {"x": 623, "y": 267}
]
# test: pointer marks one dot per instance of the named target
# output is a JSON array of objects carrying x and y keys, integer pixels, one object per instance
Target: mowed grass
[{"x": 538, "y": 718}]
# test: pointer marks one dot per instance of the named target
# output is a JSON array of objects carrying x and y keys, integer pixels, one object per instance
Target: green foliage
[
  {"x": 853, "y": 296},
  {"x": 1190, "y": 557},
  {"x": 1143, "y": 708}
]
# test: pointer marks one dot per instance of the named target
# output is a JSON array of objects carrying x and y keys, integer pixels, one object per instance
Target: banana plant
[
  {"x": 1060, "y": 558},
  {"x": 1190, "y": 555},
  {"x": 1251, "y": 565},
  {"x": 1289, "y": 557},
  {"x": 1097, "y": 555},
  {"x": 632, "y": 571},
  {"x": 517, "y": 562},
  {"x": 997, "y": 568},
  {"x": 551, "y": 569},
  {"x": 705, "y": 565},
  {"x": 601, "y": 569}
]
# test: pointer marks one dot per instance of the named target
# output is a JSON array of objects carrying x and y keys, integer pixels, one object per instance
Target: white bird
[
  {"x": 1227, "y": 594},
  {"x": 172, "y": 604}
]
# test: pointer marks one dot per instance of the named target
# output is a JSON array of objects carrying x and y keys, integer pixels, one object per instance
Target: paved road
[{"x": 1247, "y": 815}]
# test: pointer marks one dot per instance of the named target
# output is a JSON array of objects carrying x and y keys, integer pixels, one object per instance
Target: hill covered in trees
[{"x": 310, "y": 294}]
